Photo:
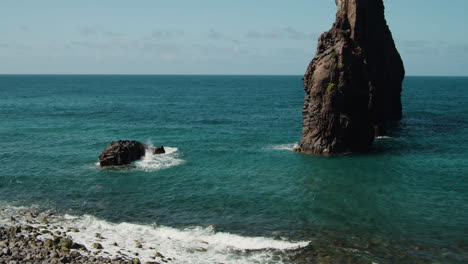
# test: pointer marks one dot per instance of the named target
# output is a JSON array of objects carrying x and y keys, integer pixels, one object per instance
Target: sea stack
[{"x": 353, "y": 85}]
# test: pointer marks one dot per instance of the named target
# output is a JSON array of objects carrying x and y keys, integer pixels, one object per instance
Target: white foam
[
  {"x": 290, "y": 146},
  {"x": 190, "y": 245},
  {"x": 384, "y": 137},
  {"x": 153, "y": 162}
]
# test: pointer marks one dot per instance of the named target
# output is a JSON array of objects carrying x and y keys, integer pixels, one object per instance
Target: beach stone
[
  {"x": 27, "y": 228},
  {"x": 122, "y": 152},
  {"x": 15, "y": 229},
  {"x": 66, "y": 242},
  {"x": 31, "y": 214},
  {"x": 6, "y": 251},
  {"x": 136, "y": 261},
  {"x": 78, "y": 246}
]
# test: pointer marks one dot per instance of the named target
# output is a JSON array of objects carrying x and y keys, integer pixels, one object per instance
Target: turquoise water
[{"x": 231, "y": 165}]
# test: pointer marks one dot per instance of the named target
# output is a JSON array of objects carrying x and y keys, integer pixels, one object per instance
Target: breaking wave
[
  {"x": 155, "y": 242},
  {"x": 290, "y": 146}
]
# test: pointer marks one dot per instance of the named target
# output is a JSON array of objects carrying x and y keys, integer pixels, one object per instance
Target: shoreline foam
[{"x": 127, "y": 241}]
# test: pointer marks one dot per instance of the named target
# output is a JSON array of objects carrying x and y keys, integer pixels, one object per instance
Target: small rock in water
[
  {"x": 27, "y": 228},
  {"x": 98, "y": 235},
  {"x": 31, "y": 214},
  {"x": 159, "y": 150},
  {"x": 121, "y": 152},
  {"x": 201, "y": 249},
  {"x": 97, "y": 246}
]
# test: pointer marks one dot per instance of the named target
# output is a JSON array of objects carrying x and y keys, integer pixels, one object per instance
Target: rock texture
[
  {"x": 122, "y": 152},
  {"x": 25, "y": 244},
  {"x": 353, "y": 85}
]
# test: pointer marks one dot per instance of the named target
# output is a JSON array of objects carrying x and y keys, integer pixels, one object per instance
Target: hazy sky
[{"x": 212, "y": 36}]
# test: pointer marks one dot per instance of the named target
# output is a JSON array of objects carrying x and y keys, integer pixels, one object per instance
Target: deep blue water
[{"x": 232, "y": 168}]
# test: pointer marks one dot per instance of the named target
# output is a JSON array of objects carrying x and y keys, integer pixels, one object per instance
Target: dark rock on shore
[
  {"x": 24, "y": 247},
  {"x": 353, "y": 85},
  {"x": 122, "y": 152}
]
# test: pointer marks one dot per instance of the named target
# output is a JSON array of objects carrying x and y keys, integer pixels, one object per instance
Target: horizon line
[{"x": 184, "y": 74}]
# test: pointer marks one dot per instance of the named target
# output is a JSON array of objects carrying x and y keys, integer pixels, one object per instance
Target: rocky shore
[
  {"x": 29, "y": 238},
  {"x": 20, "y": 244}
]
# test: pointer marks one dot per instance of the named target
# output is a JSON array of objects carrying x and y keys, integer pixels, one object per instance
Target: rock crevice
[{"x": 353, "y": 85}]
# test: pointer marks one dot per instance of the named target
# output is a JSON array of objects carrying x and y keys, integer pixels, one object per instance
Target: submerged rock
[
  {"x": 122, "y": 152},
  {"x": 353, "y": 85}
]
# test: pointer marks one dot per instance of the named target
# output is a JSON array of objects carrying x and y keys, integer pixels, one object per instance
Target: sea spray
[
  {"x": 152, "y": 162},
  {"x": 290, "y": 146}
]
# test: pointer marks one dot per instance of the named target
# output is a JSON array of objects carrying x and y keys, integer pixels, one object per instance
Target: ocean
[{"x": 230, "y": 183}]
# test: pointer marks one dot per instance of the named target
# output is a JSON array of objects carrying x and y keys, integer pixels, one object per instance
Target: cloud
[
  {"x": 283, "y": 33},
  {"x": 216, "y": 35},
  {"x": 138, "y": 46},
  {"x": 25, "y": 28},
  {"x": 167, "y": 33},
  {"x": 414, "y": 43},
  {"x": 221, "y": 49},
  {"x": 418, "y": 47},
  {"x": 459, "y": 48},
  {"x": 15, "y": 46},
  {"x": 98, "y": 31}
]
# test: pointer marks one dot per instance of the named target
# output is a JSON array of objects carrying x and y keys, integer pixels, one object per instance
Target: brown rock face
[
  {"x": 353, "y": 85},
  {"x": 122, "y": 152}
]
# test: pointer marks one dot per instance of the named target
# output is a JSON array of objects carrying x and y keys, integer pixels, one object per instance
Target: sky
[{"x": 274, "y": 37}]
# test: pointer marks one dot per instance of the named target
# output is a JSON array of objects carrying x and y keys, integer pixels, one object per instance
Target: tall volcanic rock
[{"x": 353, "y": 85}]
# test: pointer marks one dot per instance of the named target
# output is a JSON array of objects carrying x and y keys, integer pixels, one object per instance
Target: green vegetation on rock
[{"x": 330, "y": 87}]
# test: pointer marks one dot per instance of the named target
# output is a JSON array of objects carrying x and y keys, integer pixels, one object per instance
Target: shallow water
[{"x": 230, "y": 167}]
